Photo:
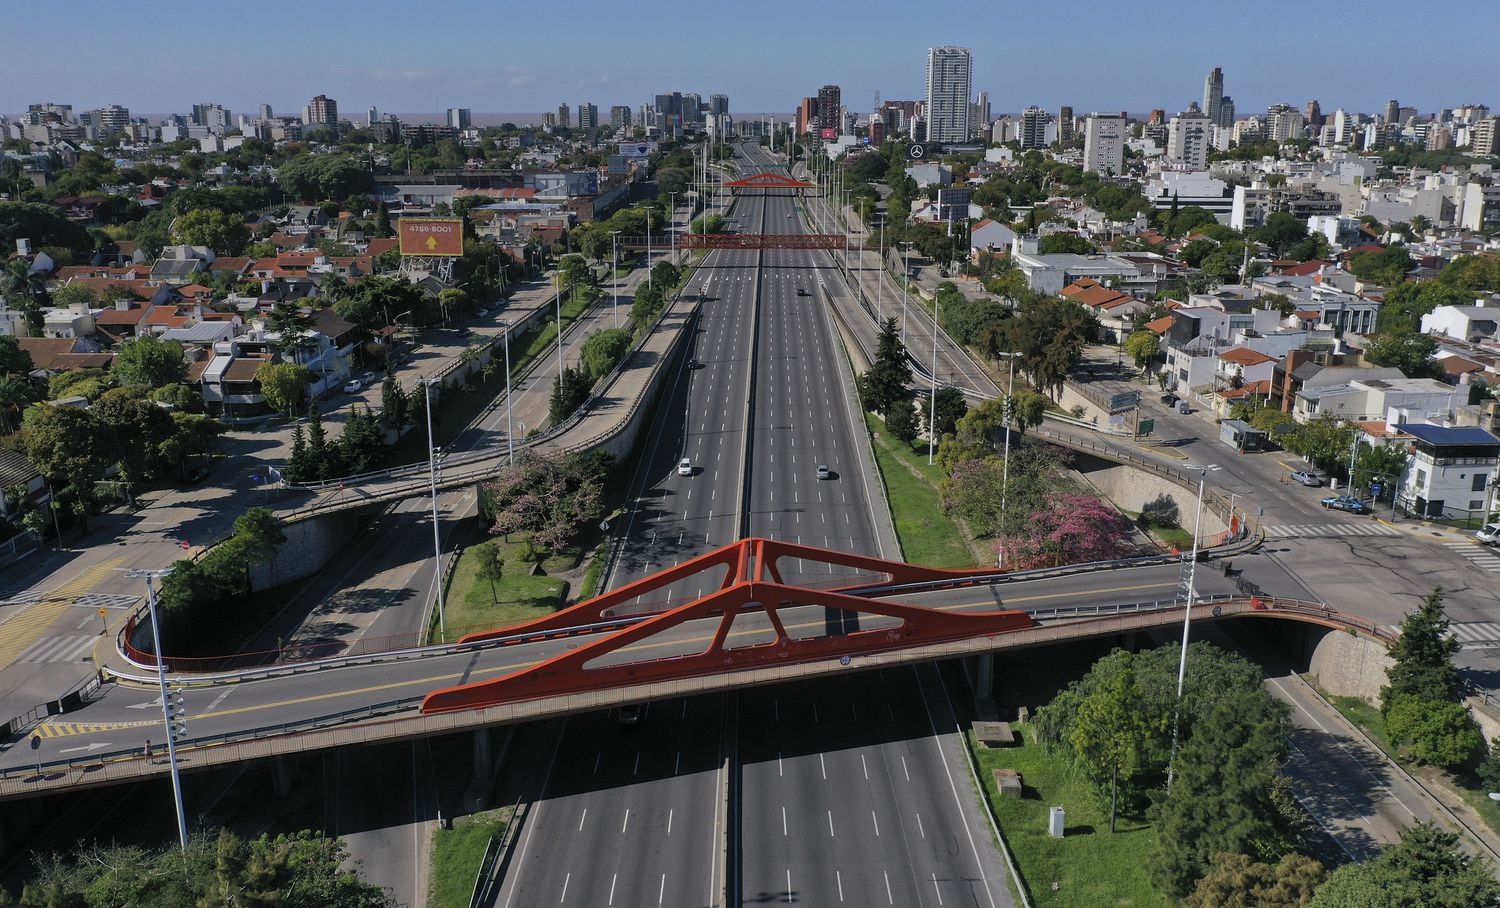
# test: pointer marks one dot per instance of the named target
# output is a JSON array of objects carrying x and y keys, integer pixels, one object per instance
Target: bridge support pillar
[
  {"x": 984, "y": 685},
  {"x": 281, "y": 776},
  {"x": 483, "y": 763}
]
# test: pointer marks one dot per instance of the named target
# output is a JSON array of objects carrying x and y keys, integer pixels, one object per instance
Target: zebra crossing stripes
[
  {"x": 50, "y": 729},
  {"x": 1476, "y": 633},
  {"x": 1305, "y": 530},
  {"x": 1480, "y": 556},
  {"x": 59, "y": 648},
  {"x": 106, "y": 600}
]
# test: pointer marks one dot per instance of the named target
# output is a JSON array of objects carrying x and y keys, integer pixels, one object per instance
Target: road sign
[
  {"x": 916, "y": 151},
  {"x": 432, "y": 236},
  {"x": 1147, "y": 425},
  {"x": 1123, "y": 401}
]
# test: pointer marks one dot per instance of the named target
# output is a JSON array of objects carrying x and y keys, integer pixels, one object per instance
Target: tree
[
  {"x": 1073, "y": 528},
  {"x": 16, "y": 393},
  {"x": 283, "y": 384},
  {"x": 950, "y": 408},
  {"x": 44, "y": 225},
  {"x": 1425, "y": 869},
  {"x": 1411, "y": 353},
  {"x": 192, "y": 436},
  {"x": 1282, "y": 232},
  {"x": 298, "y": 467},
  {"x": 1107, "y": 734},
  {"x": 220, "y": 231},
  {"x": 149, "y": 361},
  {"x": 888, "y": 376},
  {"x": 550, "y": 499},
  {"x": 293, "y": 327},
  {"x": 901, "y": 420},
  {"x": 66, "y": 445},
  {"x": 573, "y": 270},
  {"x": 13, "y": 359},
  {"x": 1237, "y": 881},
  {"x": 1066, "y": 242},
  {"x": 1049, "y": 334},
  {"x": 362, "y": 446},
  {"x": 1422, "y": 658},
  {"x": 569, "y": 391},
  {"x": 452, "y": 300},
  {"x": 138, "y": 428},
  {"x": 1143, "y": 347},
  {"x": 603, "y": 350},
  {"x": 1437, "y": 732},
  {"x": 490, "y": 567},
  {"x": 1386, "y": 267},
  {"x": 259, "y": 533},
  {"x": 665, "y": 274},
  {"x": 1220, "y": 800},
  {"x": 393, "y": 403}
]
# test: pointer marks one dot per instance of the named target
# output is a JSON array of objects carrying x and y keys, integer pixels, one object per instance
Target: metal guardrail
[{"x": 482, "y": 880}]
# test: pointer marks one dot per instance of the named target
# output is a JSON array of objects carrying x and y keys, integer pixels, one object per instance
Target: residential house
[
  {"x": 54, "y": 355},
  {"x": 1449, "y": 471},
  {"x": 19, "y": 474},
  {"x": 989, "y": 236},
  {"x": 1392, "y": 398},
  {"x": 228, "y": 383},
  {"x": 1475, "y": 324},
  {"x": 1116, "y": 311},
  {"x": 74, "y": 321},
  {"x": 181, "y": 264}
]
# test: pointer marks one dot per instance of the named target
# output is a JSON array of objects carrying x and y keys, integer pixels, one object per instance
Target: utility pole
[
  {"x": 1187, "y": 618},
  {"x": 437, "y": 544},
  {"x": 166, "y": 703}
]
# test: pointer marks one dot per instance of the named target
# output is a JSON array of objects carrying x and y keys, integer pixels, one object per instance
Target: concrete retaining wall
[
  {"x": 310, "y": 545},
  {"x": 1346, "y": 665},
  {"x": 1131, "y": 488},
  {"x": 1092, "y": 412}
]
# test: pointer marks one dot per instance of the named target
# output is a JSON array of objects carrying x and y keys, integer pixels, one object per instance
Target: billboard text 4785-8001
[{"x": 432, "y": 236}]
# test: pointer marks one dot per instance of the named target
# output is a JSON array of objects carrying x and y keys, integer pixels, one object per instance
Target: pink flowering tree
[
  {"x": 1072, "y": 529},
  {"x": 549, "y": 499}
]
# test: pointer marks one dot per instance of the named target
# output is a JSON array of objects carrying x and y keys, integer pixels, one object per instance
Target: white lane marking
[
  {"x": 585, "y": 816},
  {"x": 670, "y": 812},
  {"x": 864, "y": 766},
  {"x": 625, "y": 825},
  {"x": 890, "y": 899},
  {"x": 876, "y": 820},
  {"x": 904, "y": 770},
  {"x": 636, "y": 769},
  {"x": 789, "y": 885},
  {"x": 661, "y": 892},
  {"x": 614, "y": 878},
  {"x": 783, "y": 820},
  {"x": 823, "y": 766},
  {"x": 566, "y": 879},
  {"x": 921, "y": 831},
  {"x": 936, "y": 889},
  {"x": 840, "y": 878},
  {"x": 597, "y": 757}
]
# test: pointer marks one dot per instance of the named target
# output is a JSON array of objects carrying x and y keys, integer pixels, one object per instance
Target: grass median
[
  {"x": 518, "y": 596},
  {"x": 927, "y": 536},
  {"x": 1089, "y": 865},
  {"x": 456, "y": 856}
]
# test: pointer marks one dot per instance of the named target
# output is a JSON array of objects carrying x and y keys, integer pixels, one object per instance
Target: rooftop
[{"x": 1448, "y": 435}]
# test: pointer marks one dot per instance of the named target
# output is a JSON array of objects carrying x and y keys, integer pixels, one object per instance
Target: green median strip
[
  {"x": 456, "y": 856},
  {"x": 927, "y": 536},
  {"x": 517, "y": 596},
  {"x": 1089, "y": 865}
]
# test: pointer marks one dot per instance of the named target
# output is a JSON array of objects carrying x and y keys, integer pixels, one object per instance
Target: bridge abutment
[{"x": 282, "y": 768}]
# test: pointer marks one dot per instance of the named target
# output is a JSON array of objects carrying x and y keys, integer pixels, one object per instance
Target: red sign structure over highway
[{"x": 431, "y": 236}]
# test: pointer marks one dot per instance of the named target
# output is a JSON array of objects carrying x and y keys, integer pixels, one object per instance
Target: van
[{"x": 1183, "y": 408}]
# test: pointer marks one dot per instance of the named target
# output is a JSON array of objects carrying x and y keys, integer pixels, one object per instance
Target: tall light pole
[
  {"x": 166, "y": 704},
  {"x": 1010, "y": 391},
  {"x": 880, "y": 275},
  {"x": 648, "y": 246},
  {"x": 557, "y": 299},
  {"x": 905, "y": 287},
  {"x": 510, "y": 432},
  {"x": 672, "y": 221},
  {"x": 614, "y": 274},
  {"x": 437, "y": 544},
  {"x": 932, "y": 401},
  {"x": 1187, "y": 618}
]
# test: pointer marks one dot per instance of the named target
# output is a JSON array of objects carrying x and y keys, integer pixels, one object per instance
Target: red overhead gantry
[{"x": 750, "y": 585}]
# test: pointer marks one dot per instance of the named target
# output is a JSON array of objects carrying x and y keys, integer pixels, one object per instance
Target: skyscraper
[
  {"x": 460, "y": 117},
  {"x": 213, "y": 116},
  {"x": 948, "y": 86},
  {"x": 1065, "y": 124},
  {"x": 1283, "y": 122},
  {"x": 564, "y": 115},
  {"x": 1313, "y": 113},
  {"x": 1034, "y": 128},
  {"x": 807, "y": 114},
  {"x": 718, "y": 105},
  {"x": 1104, "y": 144},
  {"x": 830, "y": 103},
  {"x": 1188, "y": 136},
  {"x": 1213, "y": 95},
  {"x": 321, "y": 111},
  {"x": 619, "y": 116},
  {"x": 1393, "y": 111},
  {"x": 588, "y": 115}
]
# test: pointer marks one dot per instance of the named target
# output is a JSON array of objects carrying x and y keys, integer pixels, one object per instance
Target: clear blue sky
[{"x": 520, "y": 56}]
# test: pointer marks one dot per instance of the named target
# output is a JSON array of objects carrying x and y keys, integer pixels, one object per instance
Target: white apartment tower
[
  {"x": 1034, "y": 121},
  {"x": 948, "y": 84},
  {"x": 1283, "y": 122},
  {"x": 1104, "y": 144},
  {"x": 1188, "y": 137},
  {"x": 460, "y": 117}
]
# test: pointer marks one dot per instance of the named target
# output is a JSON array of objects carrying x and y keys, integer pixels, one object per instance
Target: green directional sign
[{"x": 1147, "y": 425}]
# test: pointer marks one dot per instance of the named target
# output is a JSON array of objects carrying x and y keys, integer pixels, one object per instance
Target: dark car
[
  {"x": 1169, "y": 398},
  {"x": 1346, "y": 503}
]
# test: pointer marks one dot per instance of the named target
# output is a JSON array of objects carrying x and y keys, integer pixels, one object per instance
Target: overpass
[{"x": 751, "y": 631}]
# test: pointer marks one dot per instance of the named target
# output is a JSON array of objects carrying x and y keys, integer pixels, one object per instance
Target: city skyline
[{"x": 610, "y": 68}]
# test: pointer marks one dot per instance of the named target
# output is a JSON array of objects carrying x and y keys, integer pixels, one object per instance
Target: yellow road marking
[
  {"x": 67, "y": 729},
  {"x": 29, "y": 625},
  {"x": 448, "y": 678}
]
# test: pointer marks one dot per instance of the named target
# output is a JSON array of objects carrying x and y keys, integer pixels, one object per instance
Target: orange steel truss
[
  {"x": 749, "y": 583},
  {"x": 768, "y": 181}
]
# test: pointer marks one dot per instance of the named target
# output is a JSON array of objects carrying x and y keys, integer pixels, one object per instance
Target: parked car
[
  {"x": 354, "y": 387},
  {"x": 1168, "y": 398},
  {"x": 684, "y": 467},
  {"x": 824, "y": 472},
  {"x": 1346, "y": 503},
  {"x": 482, "y": 313},
  {"x": 1184, "y": 407},
  {"x": 1307, "y": 478},
  {"x": 1489, "y": 534},
  {"x": 631, "y": 714}
]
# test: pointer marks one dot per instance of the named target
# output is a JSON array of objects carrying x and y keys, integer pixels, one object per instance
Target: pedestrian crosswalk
[
  {"x": 51, "y": 729},
  {"x": 25, "y": 629},
  {"x": 59, "y": 648},
  {"x": 106, "y": 600},
  {"x": 1475, "y": 634},
  {"x": 1306, "y": 530},
  {"x": 1481, "y": 557}
]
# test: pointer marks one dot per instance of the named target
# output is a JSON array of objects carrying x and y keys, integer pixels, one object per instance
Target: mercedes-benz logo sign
[
  {"x": 917, "y": 151},
  {"x": 1218, "y": 611}
]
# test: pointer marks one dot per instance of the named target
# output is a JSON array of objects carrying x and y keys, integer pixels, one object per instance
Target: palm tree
[{"x": 16, "y": 392}]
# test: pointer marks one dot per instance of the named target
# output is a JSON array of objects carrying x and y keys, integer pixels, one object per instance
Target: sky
[{"x": 520, "y": 57}]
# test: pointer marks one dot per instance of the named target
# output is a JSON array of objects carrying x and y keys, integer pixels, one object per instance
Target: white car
[
  {"x": 354, "y": 387},
  {"x": 824, "y": 472},
  {"x": 684, "y": 467},
  {"x": 1489, "y": 534}
]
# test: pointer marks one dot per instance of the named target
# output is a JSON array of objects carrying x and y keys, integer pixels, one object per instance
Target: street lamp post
[
  {"x": 672, "y": 221},
  {"x": 510, "y": 434},
  {"x": 558, "y": 299},
  {"x": 437, "y": 544},
  {"x": 1187, "y": 618},
  {"x": 905, "y": 287},
  {"x": 932, "y": 401},
  {"x": 614, "y": 274},
  {"x": 1010, "y": 393},
  {"x": 166, "y": 705},
  {"x": 648, "y": 246}
]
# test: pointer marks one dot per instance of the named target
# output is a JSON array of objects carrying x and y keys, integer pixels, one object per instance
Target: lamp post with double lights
[
  {"x": 166, "y": 701},
  {"x": 437, "y": 543},
  {"x": 1187, "y": 618},
  {"x": 614, "y": 275},
  {"x": 1010, "y": 386}
]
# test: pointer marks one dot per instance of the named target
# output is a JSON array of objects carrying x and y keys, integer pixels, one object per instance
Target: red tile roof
[
  {"x": 1160, "y": 325},
  {"x": 1244, "y": 356},
  {"x": 379, "y": 246}
]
